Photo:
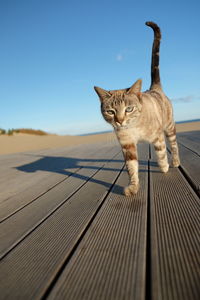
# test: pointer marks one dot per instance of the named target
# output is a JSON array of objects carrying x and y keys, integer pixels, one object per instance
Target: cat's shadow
[{"x": 70, "y": 166}]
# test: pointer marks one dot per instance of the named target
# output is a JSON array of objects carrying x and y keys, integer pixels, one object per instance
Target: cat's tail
[{"x": 155, "y": 73}]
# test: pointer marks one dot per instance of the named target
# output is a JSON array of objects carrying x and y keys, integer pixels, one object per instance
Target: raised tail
[{"x": 155, "y": 73}]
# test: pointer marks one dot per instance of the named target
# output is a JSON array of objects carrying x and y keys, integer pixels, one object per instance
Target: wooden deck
[{"x": 67, "y": 231}]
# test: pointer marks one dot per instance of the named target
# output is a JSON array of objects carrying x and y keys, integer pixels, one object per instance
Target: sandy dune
[
  {"x": 182, "y": 127},
  {"x": 26, "y": 142}
]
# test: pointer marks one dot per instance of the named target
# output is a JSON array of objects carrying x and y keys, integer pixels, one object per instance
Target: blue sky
[{"x": 52, "y": 53}]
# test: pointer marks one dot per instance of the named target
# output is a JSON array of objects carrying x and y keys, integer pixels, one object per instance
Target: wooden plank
[
  {"x": 29, "y": 268},
  {"x": 110, "y": 263},
  {"x": 174, "y": 224},
  {"x": 15, "y": 228},
  {"x": 40, "y": 174},
  {"x": 191, "y": 140},
  {"x": 10, "y": 162},
  {"x": 190, "y": 164},
  {"x": 15, "y": 178},
  {"x": 191, "y": 135}
]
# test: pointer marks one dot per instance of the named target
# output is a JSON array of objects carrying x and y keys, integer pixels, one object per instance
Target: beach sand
[{"x": 27, "y": 142}]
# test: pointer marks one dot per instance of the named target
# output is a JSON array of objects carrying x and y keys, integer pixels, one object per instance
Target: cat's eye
[
  {"x": 110, "y": 112},
  {"x": 129, "y": 109}
]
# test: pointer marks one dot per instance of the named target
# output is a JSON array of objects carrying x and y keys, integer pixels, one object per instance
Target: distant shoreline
[
  {"x": 188, "y": 121},
  {"x": 21, "y": 142},
  {"x": 109, "y": 131}
]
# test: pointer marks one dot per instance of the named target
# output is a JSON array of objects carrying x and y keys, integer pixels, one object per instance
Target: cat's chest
[
  {"x": 135, "y": 134},
  {"x": 131, "y": 134}
]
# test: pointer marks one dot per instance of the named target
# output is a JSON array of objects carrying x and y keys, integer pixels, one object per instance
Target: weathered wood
[
  {"x": 190, "y": 140},
  {"x": 14, "y": 229},
  {"x": 42, "y": 172},
  {"x": 31, "y": 266},
  {"x": 190, "y": 164},
  {"x": 174, "y": 227},
  {"x": 110, "y": 263},
  {"x": 17, "y": 176},
  {"x": 82, "y": 239}
]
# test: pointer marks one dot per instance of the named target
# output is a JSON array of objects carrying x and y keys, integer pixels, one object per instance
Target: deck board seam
[
  {"x": 40, "y": 195},
  {"x": 183, "y": 171},
  {"x": 185, "y": 174},
  {"x": 70, "y": 255},
  {"x": 49, "y": 189},
  {"x": 148, "y": 284},
  {"x": 15, "y": 244},
  {"x": 188, "y": 148}
]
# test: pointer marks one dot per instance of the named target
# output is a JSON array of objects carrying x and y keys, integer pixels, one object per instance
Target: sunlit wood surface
[{"x": 68, "y": 232}]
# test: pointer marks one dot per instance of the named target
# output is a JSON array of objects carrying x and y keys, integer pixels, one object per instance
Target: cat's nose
[{"x": 119, "y": 120}]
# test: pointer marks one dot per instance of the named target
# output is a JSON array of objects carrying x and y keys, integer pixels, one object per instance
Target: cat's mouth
[{"x": 120, "y": 126}]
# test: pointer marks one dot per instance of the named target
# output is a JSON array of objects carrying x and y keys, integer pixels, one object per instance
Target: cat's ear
[
  {"x": 103, "y": 94},
  {"x": 135, "y": 88}
]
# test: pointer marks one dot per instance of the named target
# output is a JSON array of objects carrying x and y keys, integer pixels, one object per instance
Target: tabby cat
[{"x": 142, "y": 116}]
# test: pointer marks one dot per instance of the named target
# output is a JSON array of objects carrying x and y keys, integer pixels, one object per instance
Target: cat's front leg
[
  {"x": 161, "y": 152},
  {"x": 171, "y": 135},
  {"x": 131, "y": 160}
]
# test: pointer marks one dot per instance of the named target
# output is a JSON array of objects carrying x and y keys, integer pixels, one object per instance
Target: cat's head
[{"x": 121, "y": 108}]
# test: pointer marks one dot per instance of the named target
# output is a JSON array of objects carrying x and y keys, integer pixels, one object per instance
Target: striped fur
[
  {"x": 155, "y": 74},
  {"x": 142, "y": 116}
]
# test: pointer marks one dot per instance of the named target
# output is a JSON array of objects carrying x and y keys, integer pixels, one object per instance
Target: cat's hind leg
[
  {"x": 161, "y": 152},
  {"x": 131, "y": 159},
  {"x": 171, "y": 136}
]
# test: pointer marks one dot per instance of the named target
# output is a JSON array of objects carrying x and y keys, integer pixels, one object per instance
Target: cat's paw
[
  {"x": 132, "y": 189},
  {"x": 176, "y": 163},
  {"x": 165, "y": 168}
]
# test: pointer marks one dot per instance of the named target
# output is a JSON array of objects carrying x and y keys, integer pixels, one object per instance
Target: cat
[{"x": 142, "y": 116}]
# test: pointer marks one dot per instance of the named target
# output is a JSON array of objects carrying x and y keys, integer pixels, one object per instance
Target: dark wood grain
[{"x": 68, "y": 232}]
